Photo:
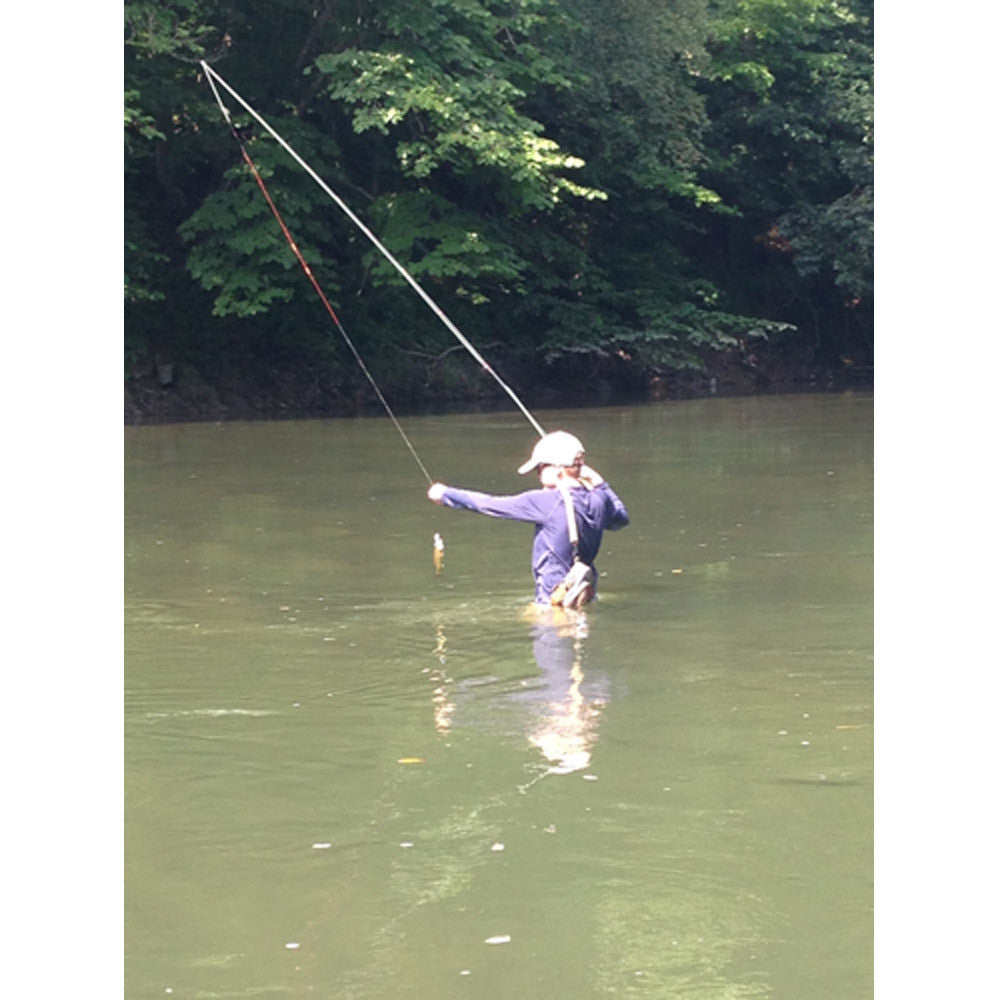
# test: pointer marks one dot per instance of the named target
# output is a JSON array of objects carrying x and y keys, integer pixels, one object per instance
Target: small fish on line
[{"x": 438, "y": 554}]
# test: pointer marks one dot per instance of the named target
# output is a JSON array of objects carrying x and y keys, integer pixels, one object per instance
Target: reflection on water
[
  {"x": 349, "y": 776},
  {"x": 567, "y": 725},
  {"x": 444, "y": 708},
  {"x": 561, "y": 707}
]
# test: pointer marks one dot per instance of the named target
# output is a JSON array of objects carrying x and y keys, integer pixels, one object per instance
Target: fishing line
[
  {"x": 214, "y": 77},
  {"x": 319, "y": 291}
]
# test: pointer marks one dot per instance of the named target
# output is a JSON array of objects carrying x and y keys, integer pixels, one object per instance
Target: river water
[{"x": 348, "y": 777}]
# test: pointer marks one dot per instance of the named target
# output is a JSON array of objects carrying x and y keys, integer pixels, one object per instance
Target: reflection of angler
[
  {"x": 563, "y": 707},
  {"x": 567, "y": 729}
]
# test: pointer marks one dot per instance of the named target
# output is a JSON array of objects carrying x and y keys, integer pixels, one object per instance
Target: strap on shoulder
[{"x": 574, "y": 536}]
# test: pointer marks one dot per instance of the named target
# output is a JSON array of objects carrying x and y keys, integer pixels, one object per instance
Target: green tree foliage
[
  {"x": 577, "y": 183},
  {"x": 445, "y": 84},
  {"x": 633, "y": 112},
  {"x": 169, "y": 168},
  {"x": 789, "y": 92}
]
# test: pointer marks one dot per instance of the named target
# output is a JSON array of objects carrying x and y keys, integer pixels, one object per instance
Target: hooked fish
[{"x": 438, "y": 554}]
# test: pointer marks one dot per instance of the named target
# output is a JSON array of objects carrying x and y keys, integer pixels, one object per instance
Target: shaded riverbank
[{"x": 179, "y": 394}]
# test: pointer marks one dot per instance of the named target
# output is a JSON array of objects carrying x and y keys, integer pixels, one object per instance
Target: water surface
[{"x": 347, "y": 777}]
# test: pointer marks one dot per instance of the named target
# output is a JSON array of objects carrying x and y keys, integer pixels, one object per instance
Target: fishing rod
[
  {"x": 319, "y": 291},
  {"x": 214, "y": 78}
]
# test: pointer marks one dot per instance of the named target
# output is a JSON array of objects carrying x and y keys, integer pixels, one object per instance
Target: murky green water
[{"x": 349, "y": 778}]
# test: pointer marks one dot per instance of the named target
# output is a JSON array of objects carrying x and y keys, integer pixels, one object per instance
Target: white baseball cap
[{"x": 557, "y": 448}]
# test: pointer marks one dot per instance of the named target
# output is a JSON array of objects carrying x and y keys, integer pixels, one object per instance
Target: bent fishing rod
[{"x": 214, "y": 78}]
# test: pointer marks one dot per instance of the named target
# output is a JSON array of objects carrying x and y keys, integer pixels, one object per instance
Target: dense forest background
[{"x": 612, "y": 199}]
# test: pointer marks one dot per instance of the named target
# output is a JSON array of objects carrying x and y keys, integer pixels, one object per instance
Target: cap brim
[{"x": 528, "y": 466}]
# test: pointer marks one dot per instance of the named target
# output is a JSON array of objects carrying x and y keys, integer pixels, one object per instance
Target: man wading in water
[{"x": 563, "y": 478}]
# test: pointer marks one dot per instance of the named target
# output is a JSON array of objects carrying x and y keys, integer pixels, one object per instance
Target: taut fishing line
[
  {"x": 214, "y": 77},
  {"x": 319, "y": 291}
]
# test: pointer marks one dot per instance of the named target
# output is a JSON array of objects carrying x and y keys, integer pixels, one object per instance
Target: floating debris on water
[
  {"x": 406, "y": 843},
  {"x": 292, "y": 945},
  {"x": 498, "y": 847},
  {"x": 322, "y": 846},
  {"x": 411, "y": 760},
  {"x": 498, "y": 939}
]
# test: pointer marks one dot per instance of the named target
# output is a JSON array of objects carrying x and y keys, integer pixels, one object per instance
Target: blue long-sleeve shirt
[{"x": 597, "y": 510}]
